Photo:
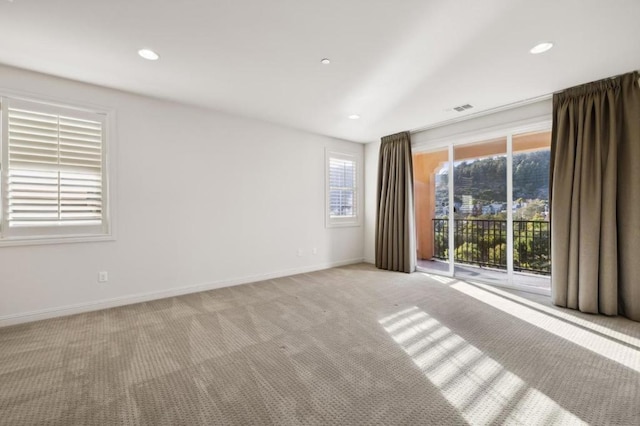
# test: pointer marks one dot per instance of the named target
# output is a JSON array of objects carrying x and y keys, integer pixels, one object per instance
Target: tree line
[{"x": 485, "y": 179}]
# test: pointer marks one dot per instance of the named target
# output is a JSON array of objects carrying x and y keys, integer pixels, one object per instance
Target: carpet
[{"x": 344, "y": 346}]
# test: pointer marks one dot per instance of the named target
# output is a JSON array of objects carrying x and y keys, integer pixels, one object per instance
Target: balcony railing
[{"x": 483, "y": 242}]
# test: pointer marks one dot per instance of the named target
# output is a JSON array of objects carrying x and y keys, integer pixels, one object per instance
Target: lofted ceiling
[{"x": 400, "y": 64}]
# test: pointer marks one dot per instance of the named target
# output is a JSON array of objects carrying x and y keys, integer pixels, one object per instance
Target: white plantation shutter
[
  {"x": 53, "y": 169},
  {"x": 342, "y": 190}
]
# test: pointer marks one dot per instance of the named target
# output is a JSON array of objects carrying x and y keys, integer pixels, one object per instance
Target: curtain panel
[
  {"x": 395, "y": 215},
  {"x": 595, "y": 197}
]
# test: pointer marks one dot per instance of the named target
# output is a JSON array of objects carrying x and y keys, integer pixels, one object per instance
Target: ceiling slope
[{"x": 399, "y": 65}]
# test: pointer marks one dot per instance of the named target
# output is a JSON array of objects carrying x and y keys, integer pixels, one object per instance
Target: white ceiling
[{"x": 399, "y": 64}]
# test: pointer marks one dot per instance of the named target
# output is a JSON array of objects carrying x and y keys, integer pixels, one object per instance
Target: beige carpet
[{"x": 346, "y": 346}]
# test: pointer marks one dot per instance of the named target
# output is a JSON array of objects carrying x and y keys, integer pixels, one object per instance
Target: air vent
[{"x": 463, "y": 107}]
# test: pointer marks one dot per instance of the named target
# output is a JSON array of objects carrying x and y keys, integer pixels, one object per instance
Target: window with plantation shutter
[
  {"x": 342, "y": 189},
  {"x": 53, "y": 171}
]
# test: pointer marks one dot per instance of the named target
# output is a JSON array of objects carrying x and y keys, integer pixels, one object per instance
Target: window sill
[
  {"x": 67, "y": 239},
  {"x": 342, "y": 224}
]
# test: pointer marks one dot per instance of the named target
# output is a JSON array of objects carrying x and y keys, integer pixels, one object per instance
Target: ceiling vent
[{"x": 463, "y": 107}]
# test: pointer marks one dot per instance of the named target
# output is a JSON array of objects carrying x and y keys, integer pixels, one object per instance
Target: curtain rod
[{"x": 602, "y": 79}]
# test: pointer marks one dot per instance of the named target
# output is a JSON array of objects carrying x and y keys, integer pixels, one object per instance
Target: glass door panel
[
  {"x": 431, "y": 189},
  {"x": 531, "y": 227},
  {"x": 480, "y": 205}
]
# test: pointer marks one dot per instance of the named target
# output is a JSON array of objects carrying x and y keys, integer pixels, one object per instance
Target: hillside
[{"x": 485, "y": 179}]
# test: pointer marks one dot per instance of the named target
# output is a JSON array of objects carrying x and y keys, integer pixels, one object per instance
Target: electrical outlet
[
  {"x": 315, "y": 250},
  {"x": 300, "y": 252},
  {"x": 103, "y": 277}
]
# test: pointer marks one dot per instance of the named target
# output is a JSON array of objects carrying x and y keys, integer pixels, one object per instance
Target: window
[
  {"x": 342, "y": 189},
  {"x": 53, "y": 177}
]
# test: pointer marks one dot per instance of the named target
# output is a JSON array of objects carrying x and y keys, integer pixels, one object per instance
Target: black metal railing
[{"x": 483, "y": 242}]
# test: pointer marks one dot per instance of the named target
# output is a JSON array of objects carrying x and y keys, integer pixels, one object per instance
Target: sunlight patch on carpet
[
  {"x": 620, "y": 353},
  {"x": 479, "y": 387},
  {"x": 562, "y": 315}
]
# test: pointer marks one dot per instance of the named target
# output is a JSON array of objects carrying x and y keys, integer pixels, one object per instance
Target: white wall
[
  {"x": 203, "y": 200},
  {"x": 484, "y": 125}
]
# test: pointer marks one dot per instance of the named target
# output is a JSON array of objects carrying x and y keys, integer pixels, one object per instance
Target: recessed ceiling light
[
  {"x": 354, "y": 116},
  {"x": 148, "y": 54},
  {"x": 325, "y": 61},
  {"x": 542, "y": 47}
]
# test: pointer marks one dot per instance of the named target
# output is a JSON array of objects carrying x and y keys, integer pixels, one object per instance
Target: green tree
[{"x": 467, "y": 252}]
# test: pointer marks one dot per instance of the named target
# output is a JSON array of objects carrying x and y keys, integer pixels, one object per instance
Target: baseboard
[
  {"x": 145, "y": 297},
  {"x": 371, "y": 261}
]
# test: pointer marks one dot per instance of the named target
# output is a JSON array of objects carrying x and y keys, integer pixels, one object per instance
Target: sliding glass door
[{"x": 482, "y": 210}]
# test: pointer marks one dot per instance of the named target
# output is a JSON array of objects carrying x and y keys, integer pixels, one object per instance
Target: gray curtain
[
  {"x": 395, "y": 216},
  {"x": 595, "y": 197}
]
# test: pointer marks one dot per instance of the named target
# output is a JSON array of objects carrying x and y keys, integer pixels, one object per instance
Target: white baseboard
[
  {"x": 371, "y": 261},
  {"x": 145, "y": 297}
]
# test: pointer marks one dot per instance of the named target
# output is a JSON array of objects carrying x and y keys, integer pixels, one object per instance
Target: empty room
[{"x": 305, "y": 212}]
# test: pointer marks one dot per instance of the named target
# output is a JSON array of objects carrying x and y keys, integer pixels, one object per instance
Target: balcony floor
[{"x": 488, "y": 275}]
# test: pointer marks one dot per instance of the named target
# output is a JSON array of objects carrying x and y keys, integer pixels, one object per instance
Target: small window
[
  {"x": 53, "y": 180},
  {"x": 342, "y": 190}
]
